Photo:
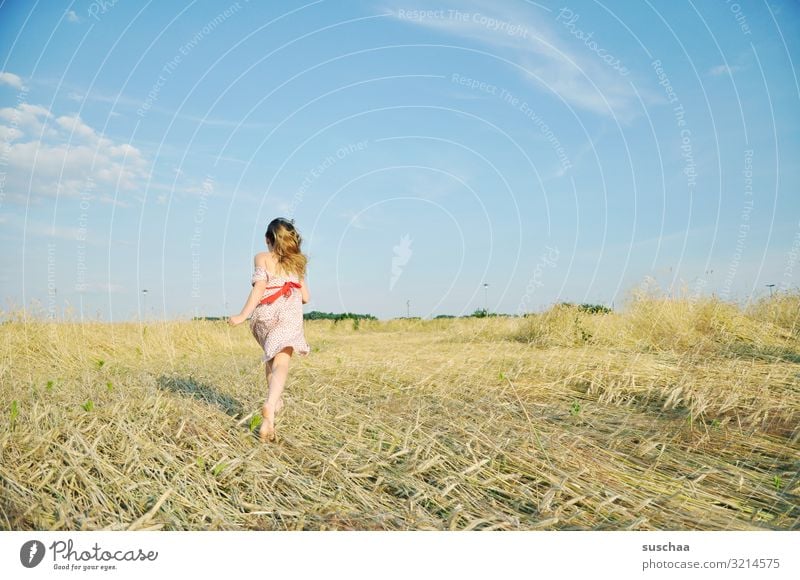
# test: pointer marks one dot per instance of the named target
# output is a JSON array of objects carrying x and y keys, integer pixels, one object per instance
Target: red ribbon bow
[{"x": 285, "y": 290}]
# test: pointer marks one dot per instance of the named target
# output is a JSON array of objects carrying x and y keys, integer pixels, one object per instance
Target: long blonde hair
[{"x": 285, "y": 242}]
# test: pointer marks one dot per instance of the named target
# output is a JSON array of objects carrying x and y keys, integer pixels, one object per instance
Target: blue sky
[{"x": 552, "y": 151}]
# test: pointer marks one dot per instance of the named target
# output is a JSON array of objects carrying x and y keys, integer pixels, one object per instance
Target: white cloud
[
  {"x": 7, "y": 78},
  {"x": 75, "y": 126},
  {"x": 49, "y": 156},
  {"x": 577, "y": 75},
  {"x": 9, "y": 134},
  {"x": 72, "y": 17},
  {"x": 29, "y": 118}
]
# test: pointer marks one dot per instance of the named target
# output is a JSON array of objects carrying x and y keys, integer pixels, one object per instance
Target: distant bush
[
  {"x": 316, "y": 315},
  {"x": 443, "y": 316},
  {"x": 588, "y": 308},
  {"x": 481, "y": 313}
]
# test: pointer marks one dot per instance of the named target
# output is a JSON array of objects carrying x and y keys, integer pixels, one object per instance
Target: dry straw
[{"x": 674, "y": 414}]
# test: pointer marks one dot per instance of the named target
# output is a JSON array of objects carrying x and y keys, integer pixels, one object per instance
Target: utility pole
[
  {"x": 486, "y": 298},
  {"x": 408, "y": 308},
  {"x": 770, "y": 286},
  {"x": 710, "y": 275},
  {"x": 144, "y": 302}
]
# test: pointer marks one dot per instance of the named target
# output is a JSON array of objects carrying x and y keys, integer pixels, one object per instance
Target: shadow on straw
[
  {"x": 191, "y": 387},
  {"x": 768, "y": 353}
]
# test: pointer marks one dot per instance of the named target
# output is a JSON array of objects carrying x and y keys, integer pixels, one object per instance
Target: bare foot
[
  {"x": 279, "y": 406},
  {"x": 267, "y": 430}
]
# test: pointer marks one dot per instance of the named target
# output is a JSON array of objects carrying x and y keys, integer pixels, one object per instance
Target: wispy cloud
[
  {"x": 102, "y": 288},
  {"x": 435, "y": 185},
  {"x": 81, "y": 96},
  {"x": 72, "y": 16},
  {"x": 217, "y": 122},
  {"x": 35, "y": 228},
  {"x": 723, "y": 69},
  {"x": 41, "y": 230},
  {"x": 590, "y": 145},
  {"x": 355, "y": 219},
  {"x": 124, "y": 102},
  {"x": 535, "y": 42}
]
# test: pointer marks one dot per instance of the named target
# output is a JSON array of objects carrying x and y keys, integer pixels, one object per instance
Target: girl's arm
[
  {"x": 304, "y": 291},
  {"x": 252, "y": 300}
]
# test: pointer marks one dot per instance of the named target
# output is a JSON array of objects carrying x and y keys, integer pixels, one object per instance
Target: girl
[{"x": 276, "y": 303}]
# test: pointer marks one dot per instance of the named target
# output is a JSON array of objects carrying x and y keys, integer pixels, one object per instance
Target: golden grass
[{"x": 674, "y": 414}]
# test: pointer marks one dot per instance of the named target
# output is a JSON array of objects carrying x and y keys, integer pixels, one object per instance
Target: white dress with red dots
[{"x": 278, "y": 321}]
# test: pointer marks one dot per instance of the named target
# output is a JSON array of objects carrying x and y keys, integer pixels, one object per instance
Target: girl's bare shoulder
[
  {"x": 268, "y": 261},
  {"x": 264, "y": 258}
]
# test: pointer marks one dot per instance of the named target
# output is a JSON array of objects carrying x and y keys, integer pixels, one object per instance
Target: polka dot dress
[{"x": 280, "y": 324}]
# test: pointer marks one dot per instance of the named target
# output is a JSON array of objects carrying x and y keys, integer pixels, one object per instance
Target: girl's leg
[
  {"x": 278, "y": 375},
  {"x": 279, "y": 406}
]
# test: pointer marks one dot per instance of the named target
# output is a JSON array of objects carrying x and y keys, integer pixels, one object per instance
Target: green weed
[{"x": 14, "y": 414}]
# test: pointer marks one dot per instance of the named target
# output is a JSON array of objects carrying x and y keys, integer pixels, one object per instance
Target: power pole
[{"x": 408, "y": 308}]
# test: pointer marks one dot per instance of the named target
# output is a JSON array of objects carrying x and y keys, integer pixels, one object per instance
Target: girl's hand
[{"x": 236, "y": 320}]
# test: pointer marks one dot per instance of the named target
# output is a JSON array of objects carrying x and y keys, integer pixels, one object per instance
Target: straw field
[{"x": 672, "y": 414}]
